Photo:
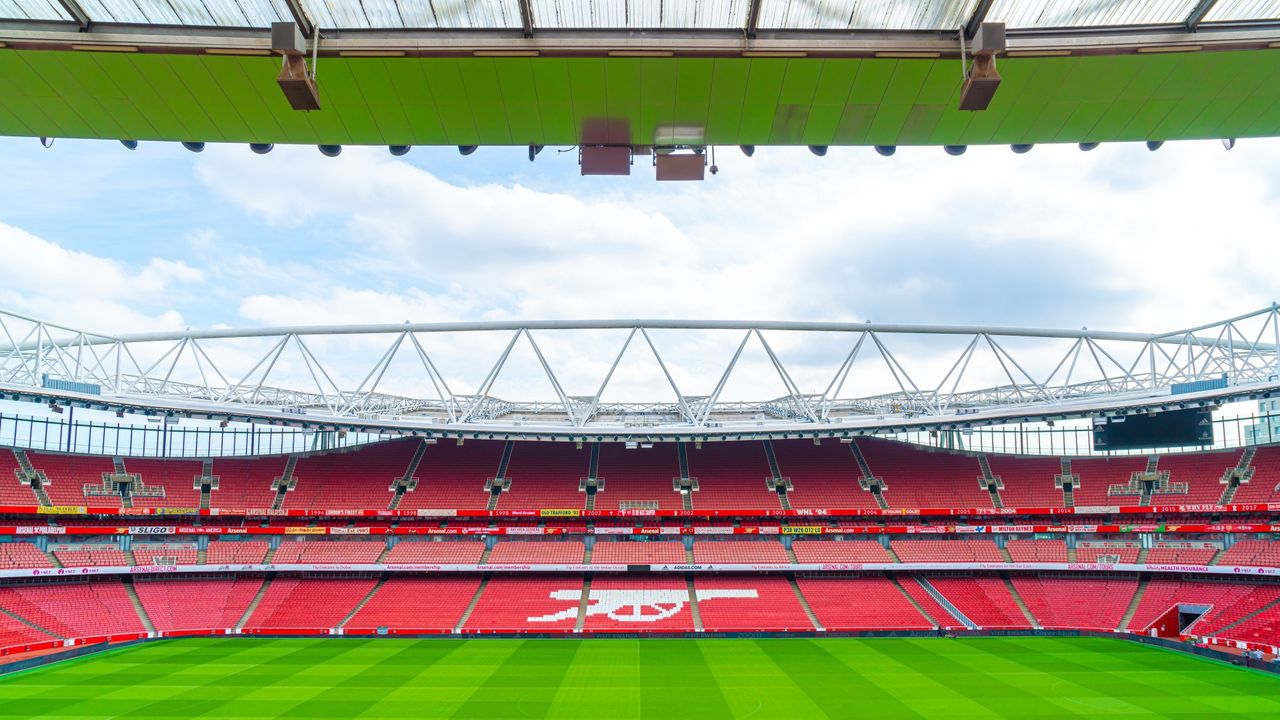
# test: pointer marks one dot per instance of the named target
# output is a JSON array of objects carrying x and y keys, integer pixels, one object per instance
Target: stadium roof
[
  {"x": 877, "y": 377},
  {"x": 747, "y": 16},
  {"x": 714, "y": 72}
]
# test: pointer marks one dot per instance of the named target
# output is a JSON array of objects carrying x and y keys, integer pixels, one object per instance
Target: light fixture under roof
[
  {"x": 261, "y": 148},
  {"x": 955, "y": 150},
  {"x": 193, "y": 146},
  {"x": 886, "y": 150},
  {"x": 330, "y": 150}
]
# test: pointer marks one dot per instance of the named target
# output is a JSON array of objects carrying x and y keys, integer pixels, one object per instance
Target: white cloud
[{"x": 1119, "y": 238}]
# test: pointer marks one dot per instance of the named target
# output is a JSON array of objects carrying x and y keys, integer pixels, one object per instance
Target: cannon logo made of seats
[{"x": 638, "y": 606}]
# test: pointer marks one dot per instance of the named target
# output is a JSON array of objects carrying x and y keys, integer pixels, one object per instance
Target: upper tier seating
[
  {"x": 527, "y": 603},
  {"x": 984, "y": 600},
  {"x": 12, "y": 491},
  {"x": 236, "y": 552},
  {"x": 246, "y": 483},
  {"x": 872, "y": 602},
  {"x": 90, "y": 555},
  {"x": 74, "y": 609},
  {"x": 1028, "y": 482},
  {"x": 1097, "y": 475},
  {"x": 1118, "y": 551},
  {"x": 452, "y": 476},
  {"x": 1201, "y": 471},
  {"x": 449, "y": 552},
  {"x": 916, "y": 478},
  {"x": 1264, "y": 486},
  {"x": 415, "y": 602},
  {"x": 175, "y": 479},
  {"x": 203, "y": 604},
  {"x": 739, "y": 551},
  {"x": 1252, "y": 553},
  {"x": 354, "y": 480},
  {"x": 537, "y": 552},
  {"x": 633, "y": 552},
  {"x": 958, "y": 551},
  {"x": 1037, "y": 551},
  {"x": 822, "y": 476},
  {"x": 731, "y": 476},
  {"x": 639, "y": 603},
  {"x": 22, "y": 555},
  {"x": 545, "y": 475},
  {"x": 319, "y": 551},
  {"x": 749, "y": 603},
  {"x": 314, "y": 603},
  {"x": 1076, "y": 602},
  {"x": 638, "y": 477},
  {"x": 840, "y": 551},
  {"x": 68, "y": 474}
]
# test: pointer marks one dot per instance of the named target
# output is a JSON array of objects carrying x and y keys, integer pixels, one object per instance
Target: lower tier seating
[
  {"x": 745, "y": 603},
  {"x": 1077, "y": 602},
  {"x": 292, "y": 602},
  {"x": 871, "y": 602},
  {"x": 433, "y": 604},
  {"x": 1164, "y": 593},
  {"x": 204, "y": 604},
  {"x": 985, "y": 600},
  {"x": 522, "y": 603},
  {"x": 527, "y": 603},
  {"x": 638, "y": 604}
]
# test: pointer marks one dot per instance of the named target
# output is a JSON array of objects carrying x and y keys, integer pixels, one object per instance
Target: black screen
[{"x": 1172, "y": 428}]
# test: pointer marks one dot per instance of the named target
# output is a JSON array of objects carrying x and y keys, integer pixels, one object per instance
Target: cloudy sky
[{"x": 95, "y": 236}]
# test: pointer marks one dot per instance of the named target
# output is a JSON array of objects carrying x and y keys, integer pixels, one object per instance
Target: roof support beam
[
  {"x": 979, "y": 15},
  {"x": 300, "y": 16},
  {"x": 1198, "y": 15},
  {"x": 753, "y": 19},
  {"x": 76, "y": 12},
  {"x": 526, "y": 18}
]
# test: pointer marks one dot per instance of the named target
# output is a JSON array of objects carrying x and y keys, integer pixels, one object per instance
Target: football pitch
[{"x": 648, "y": 678}]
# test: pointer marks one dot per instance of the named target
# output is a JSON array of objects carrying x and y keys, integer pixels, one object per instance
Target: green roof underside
[{"x": 547, "y": 101}]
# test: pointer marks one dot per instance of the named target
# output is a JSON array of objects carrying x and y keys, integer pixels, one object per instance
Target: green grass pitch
[{"x": 650, "y": 678}]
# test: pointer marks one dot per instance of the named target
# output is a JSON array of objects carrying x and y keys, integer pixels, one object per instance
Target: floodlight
[
  {"x": 886, "y": 150},
  {"x": 466, "y": 149},
  {"x": 955, "y": 150},
  {"x": 261, "y": 148},
  {"x": 1228, "y": 143},
  {"x": 46, "y": 141},
  {"x": 1154, "y": 145},
  {"x": 533, "y": 151},
  {"x": 748, "y": 150},
  {"x": 330, "y": 150},
  {"x": 130, "y": 144},
  {"x": 399, "y": 150},
  {"x": 193, "y": 146},
  {"x": 1087, "y": 146},
  {"x": 819, "y": 150},
  {"x": 1021, "y": 148}
]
